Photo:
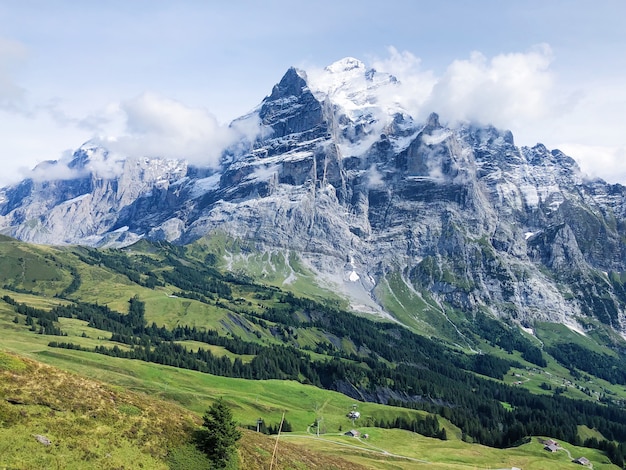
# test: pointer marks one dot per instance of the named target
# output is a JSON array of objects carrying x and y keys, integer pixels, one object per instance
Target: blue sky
[{"x": 551, "y": 71}]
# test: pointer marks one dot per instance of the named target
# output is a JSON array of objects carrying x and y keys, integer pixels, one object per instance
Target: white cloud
[
  {"x": 161, "y": 127},
  {"x": 101, "y": 163},
  {"x": 507, "y": 90},
  {"x": 416, "y": 85},
  {"x": 146, "y": 126},
  {"x": 608, "y": 163},
  {"x": 264, "y": 173},
  {"x": 51, "y": 170},
  {"x": 519, "y": 91},
  {"x": 375, "y": 179},
  {"x": 11, "y": 94},
  {"x": 516, "y": 91}
]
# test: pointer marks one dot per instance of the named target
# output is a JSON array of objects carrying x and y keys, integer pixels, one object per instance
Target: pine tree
[
  {"x": 221, "y": 434},
  {"x": 286, "y": 426}
]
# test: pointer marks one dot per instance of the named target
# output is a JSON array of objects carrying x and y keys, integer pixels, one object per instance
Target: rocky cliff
[{"x": 370, "y": 201}]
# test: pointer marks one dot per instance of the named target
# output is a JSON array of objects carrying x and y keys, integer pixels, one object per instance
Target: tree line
[{"x": 424, "y": 374}]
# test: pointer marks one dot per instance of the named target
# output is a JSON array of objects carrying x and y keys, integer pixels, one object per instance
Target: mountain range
[{"x": 404, "y": 216}]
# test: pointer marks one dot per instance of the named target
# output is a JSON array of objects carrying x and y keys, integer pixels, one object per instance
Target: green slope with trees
[{"x": 151, "y": 301}]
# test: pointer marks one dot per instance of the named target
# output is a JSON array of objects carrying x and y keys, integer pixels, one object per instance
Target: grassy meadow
[
  {"x": 149, "y": 389},
  {"x": 110, "y": 413}
]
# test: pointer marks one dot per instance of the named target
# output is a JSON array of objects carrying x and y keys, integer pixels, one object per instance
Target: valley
[{"x": 246, "y": 314}]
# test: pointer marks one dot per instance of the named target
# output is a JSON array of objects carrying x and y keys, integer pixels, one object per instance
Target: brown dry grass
[
  {"x": 87, "y": 420},
  {"x": 255, "y": 452},
  {"x": 84, "y": 415}
]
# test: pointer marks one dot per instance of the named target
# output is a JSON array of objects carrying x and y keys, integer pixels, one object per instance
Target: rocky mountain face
[{"x": 371, "y": 201}]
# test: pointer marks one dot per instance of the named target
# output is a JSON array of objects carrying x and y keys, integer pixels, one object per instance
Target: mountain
[{"x": 405, "y": 218}]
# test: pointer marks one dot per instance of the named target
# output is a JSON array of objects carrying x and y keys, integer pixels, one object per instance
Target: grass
[
  {"x": 398, "y": 449},
  {"x": 62, "y": 405},
  {"x": 81, "y": 328},
  {"x": 531, "y": 377},
  {"x": 249, "y": 401},
  {"x": 280, "y": 268},
  {"x": 102, "y": 286},
  {"x": 33, "y": 300},
  {"x": 415, "y": 309},
  {"x": 32, "y": 267},
  {"x": 302, "y": 404},
  {"x": 218, "y": 351},
  {"x": 553, "y": 333},
  {"x": 256, "y": 451},
  {"x": 10, "y": 363},
  {"x": 586, "y": 433},
  {"x": 86, "y": 422}
]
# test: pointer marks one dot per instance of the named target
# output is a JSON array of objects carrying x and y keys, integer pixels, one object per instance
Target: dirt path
[
  {"x": 365, "y": 447},
  {"x": 569, "y": 454}
]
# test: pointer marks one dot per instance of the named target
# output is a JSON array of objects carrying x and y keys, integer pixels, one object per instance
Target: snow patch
[
  {"x": 554, "y": 205},
  {"x": 353, "y": 277},
  {"x": 437, "y": 136},
  {"x": 264, "y": 173},
  {"x": 204, "y": 185},
  {"x": 76, "y": 199},
  {"x": 357, "y": 97},
  {"x": 295, "y": 156},
  {"x": 530, "y": 195},
  {"x": 575, "y": 328},
  {"x": 345, "y": 65},
  {"x": 401, "y": 143},
  {"x": 290, "y": 279}
]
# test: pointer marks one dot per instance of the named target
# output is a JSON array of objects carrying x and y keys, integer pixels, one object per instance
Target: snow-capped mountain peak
[
  {"x": 345, "y": 64},
  {"x": 348, "y": 83},
  {"x": 359, "y": 102}
]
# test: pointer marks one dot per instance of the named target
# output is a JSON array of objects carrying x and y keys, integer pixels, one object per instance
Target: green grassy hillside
[
  {"x": 111, "y": 425},
  {"x": 172, "y": 305},
  {"x": 54, "y": 419}
]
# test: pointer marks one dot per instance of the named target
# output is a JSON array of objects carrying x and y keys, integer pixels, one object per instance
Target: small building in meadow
[
  {"x": 551, "y": 447},
  {"x": 582, "y": 461},
  {"x": 353, "y": 433}
]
